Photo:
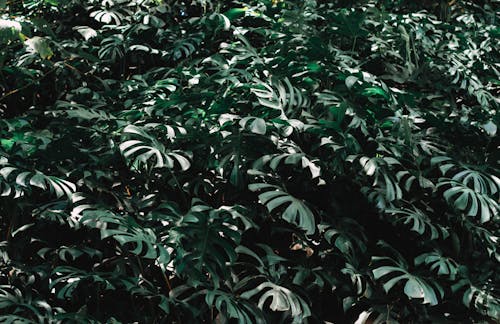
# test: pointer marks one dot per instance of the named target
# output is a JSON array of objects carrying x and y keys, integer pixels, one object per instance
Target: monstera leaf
[
  {"x": 66, "y": 280},
  {"x": 414, "y": 286},
  {"x": 443, "y": 265},
  {"x": 291, "y": 158},
  {"x": 211, "y": 161},
  {"x": 295, "y": 212},
  {"x": 238, "y": 309},
  {"x": 282, "y": 299},
  {"x": 282, "y": 97},
  {"x": 126, "y": 232},
  {"x": 147, "y": 150},
  {"x": 470, "y": 201},
  {"x": 419, "y": 222},
  {"x": 205, "y": 239},
  {"x": 23, "y": 309},
  {"x": 16, "y": 181}
]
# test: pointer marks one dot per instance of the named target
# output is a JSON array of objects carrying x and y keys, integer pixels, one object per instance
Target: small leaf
[
  {"x": 490, "y": 128},
  {"x": 350, "y": 81},
  {"x": 375, "y": 91},
  {"x": 86, "y": 31},
  {"x": 40, "y": 46}
]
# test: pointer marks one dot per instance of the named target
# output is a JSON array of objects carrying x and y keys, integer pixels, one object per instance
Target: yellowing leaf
[{"x": 39, "y": 45}]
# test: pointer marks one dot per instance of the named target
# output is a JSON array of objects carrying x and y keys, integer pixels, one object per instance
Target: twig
[
  {"x": 39, "y": 79},
  {"x": 167, "y": 281},
  {"x": 169, "y": 286},
  {"x": 26, "y": 85}
]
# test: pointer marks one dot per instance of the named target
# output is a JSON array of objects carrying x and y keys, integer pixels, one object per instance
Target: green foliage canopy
[{"x": 249, "y": 161}]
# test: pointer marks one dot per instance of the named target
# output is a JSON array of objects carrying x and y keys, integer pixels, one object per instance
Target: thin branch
[{"x": 27, "y": 85}]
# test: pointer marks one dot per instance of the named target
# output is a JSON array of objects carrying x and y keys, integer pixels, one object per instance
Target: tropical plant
[{"x": 258, "y": 161}]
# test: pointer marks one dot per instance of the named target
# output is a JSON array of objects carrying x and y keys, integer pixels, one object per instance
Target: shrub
[{"x": 248, "y": 161}]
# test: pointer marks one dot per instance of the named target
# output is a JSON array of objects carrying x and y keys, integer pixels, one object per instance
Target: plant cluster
[{"x": 249, "y": 161}]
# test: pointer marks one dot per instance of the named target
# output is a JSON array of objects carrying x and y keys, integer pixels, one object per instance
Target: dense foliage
[{"x": 249, "y": 161}]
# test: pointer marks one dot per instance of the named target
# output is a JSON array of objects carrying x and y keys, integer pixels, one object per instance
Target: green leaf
[
  {"x": 40, "y": 46},
  {"x": 254, "y": 124},
  {"x": 295, "y": 210},
  {"x": 375, "y": 91},
  {"x": 235, "y": 13},
  {"x": 86, "y": 32},
  {"x": 282, "y": 299},
  {"x": 413, "y": 289},
  {"x": 350, "y": 81}
]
